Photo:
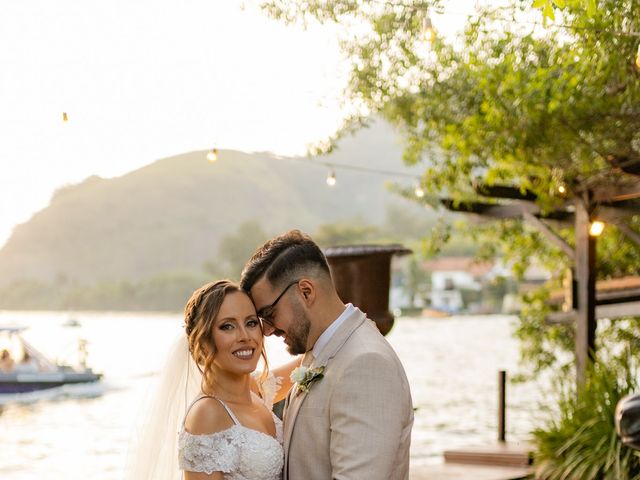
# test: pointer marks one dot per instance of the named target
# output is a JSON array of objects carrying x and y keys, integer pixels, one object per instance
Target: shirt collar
[{"x": 323, "y": 339}]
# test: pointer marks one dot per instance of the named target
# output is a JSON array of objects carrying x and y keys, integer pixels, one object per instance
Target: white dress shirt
[{"x": 323, "y": 339}]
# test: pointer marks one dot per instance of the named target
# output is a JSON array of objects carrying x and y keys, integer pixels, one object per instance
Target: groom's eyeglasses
[{"x": 266, "y": 313}]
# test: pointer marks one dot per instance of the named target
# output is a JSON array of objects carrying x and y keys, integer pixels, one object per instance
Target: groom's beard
[{"x": 298, "y": 332}]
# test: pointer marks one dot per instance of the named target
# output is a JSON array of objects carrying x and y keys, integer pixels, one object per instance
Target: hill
[{"x": 172, "y": 215}]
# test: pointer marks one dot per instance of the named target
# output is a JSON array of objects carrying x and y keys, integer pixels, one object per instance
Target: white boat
[{"x": 39, "y": 373}]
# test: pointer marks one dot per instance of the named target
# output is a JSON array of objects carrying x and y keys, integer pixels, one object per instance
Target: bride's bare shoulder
[{"x": 207, "y": 416}]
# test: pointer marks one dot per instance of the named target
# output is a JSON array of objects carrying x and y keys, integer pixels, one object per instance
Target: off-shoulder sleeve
[
  {"x": 269, "y": 387},
  {"x": 216, "y": 452}
]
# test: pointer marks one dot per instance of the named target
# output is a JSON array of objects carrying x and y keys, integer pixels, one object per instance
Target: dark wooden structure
[
  {"x": 362, "y": 276},
  {"x": 613, "y": 201}
]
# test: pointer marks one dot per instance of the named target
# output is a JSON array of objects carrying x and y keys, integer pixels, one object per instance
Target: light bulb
[
  {"x": 419, "y": 191},
  {"x": 596, "y": 228},
  {"x": 65, "y": 117},
  {"x": 638, "y": 57},
  {"x": 562, "y": 189},
  {"x": 331, "y": 178},
  {"x": 212, "y": 155},
  {"x": 428, "y": 32}
]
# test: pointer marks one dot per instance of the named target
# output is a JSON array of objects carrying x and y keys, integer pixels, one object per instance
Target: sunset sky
[{"x": 142, "y": 80}]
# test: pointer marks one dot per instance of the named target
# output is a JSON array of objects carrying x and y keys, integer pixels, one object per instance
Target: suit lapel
[
  {"x": 340, "y": 337},
  {"x": 295, "y": 398}
]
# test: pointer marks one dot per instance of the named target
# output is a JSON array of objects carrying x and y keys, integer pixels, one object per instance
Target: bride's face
[{"x": 237, "y": 335}]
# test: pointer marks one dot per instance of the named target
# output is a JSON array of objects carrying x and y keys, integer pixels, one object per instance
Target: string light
[
  {"x": 638, "y": 57},
  {"x": 331, "y": 178},
  {"x": 428, "y": 32},
  {"x": 419, "y": 191},
  {"x": 596, "y": 228},
  {"x": 212, "y": 155},
  {"x": 65, "y": 117},
  {"x": 562, "y": 189}
]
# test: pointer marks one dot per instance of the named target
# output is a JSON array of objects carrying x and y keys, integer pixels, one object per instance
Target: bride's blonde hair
[{"x": 199, "y": 316}]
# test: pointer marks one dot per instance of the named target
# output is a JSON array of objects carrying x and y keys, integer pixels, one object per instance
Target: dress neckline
[{"x": 234, "y": 418}]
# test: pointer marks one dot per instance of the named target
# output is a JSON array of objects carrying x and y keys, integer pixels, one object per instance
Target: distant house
[
  {"x": 452, "y": 277},
  {"x": 465, "y": 284}
]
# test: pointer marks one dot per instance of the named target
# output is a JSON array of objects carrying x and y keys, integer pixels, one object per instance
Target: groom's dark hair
[{"x": 283, "y": 259}]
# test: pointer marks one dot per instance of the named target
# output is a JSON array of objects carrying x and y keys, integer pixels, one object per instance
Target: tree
[
  {"x": 548, "y": 7},
  {"x": 345, "y": 233},
  {"x": 235, "y": 249},
  {"x": 547, "y": 111}
]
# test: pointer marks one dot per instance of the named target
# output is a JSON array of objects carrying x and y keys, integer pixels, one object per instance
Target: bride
[{"x": 210, "y": 395}]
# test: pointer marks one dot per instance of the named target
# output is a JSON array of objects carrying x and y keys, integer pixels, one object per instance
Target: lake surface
[{"x": 83, "y": 432}]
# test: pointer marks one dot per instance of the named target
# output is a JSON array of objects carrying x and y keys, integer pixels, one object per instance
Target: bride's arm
[
  {"x": 283, "y": 372},
  {"x": 279, "y": 381},
  {"x": 206, "y": 417}
]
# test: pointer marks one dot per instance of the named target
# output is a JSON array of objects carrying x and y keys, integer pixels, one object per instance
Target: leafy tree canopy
[{"x": 545, "y": 109}]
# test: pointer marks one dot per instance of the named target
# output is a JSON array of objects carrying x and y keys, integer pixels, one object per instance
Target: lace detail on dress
[
  {"x": 270, "y": 387},
  {"x": 239, "y": 452},
  {"x": 208, "y": 453}
]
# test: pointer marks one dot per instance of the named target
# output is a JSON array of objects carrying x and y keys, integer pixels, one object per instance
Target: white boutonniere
[{"x": 305, "y": 376}]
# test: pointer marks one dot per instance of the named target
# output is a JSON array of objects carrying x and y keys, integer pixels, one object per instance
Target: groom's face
[{"x": 282, "y": 313}]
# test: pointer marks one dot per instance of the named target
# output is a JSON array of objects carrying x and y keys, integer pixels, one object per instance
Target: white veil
[{"x": 153, "y": 450}]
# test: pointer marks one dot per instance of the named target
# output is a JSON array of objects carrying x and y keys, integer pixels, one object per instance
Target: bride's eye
[
  {"x": 226, "y": 326},
  {"x": 253, "y": 323}
]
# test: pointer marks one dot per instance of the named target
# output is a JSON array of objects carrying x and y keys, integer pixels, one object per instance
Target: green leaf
[{"x": 548, "y": 11}]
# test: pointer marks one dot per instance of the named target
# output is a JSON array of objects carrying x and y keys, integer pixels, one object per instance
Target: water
[{"x": 80, "y": 432}]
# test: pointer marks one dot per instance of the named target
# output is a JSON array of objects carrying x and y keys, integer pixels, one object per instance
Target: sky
[{"x": 142, "y": 80}]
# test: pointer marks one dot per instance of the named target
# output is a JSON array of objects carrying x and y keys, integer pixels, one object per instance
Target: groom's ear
[{"x": 307, "y": 288}]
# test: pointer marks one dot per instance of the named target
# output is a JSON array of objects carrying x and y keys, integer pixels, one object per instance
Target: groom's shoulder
[{"x": 366, "y": 340}]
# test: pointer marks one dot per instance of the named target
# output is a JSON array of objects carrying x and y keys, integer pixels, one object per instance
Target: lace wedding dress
[{"x": 239, "y": 452}]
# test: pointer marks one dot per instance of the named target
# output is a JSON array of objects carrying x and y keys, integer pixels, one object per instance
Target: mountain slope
[{"x": 172, "y": 214}]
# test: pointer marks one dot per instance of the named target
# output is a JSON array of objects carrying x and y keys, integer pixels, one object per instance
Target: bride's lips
[{"x": 244, "y": 353}]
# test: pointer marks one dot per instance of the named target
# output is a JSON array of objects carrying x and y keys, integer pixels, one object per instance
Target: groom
[{"x": 350, "y": 414}]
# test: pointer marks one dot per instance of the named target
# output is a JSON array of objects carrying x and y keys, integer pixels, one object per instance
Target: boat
[
  {"x": 71, "y": 322},
  {"x": 36, "y": 372}
]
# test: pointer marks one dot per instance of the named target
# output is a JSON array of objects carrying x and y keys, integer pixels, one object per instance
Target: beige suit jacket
[{"x": 355, "y": 422}]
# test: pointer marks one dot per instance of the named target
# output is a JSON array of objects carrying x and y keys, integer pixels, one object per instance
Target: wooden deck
[
  {"x": 498, "y": 454},
  {"x": 452, "y": 471},
  {"x": 500, "y": 461}
]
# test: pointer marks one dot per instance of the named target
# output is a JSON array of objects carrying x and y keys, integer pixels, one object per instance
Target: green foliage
[
  {"x": 548, "y": 7},
  {"x": 579, "y": 440},
  {"x": 345, "y": 233},
  {"x": 508, "y": 104},
  {"x": 235, "y": 249}
]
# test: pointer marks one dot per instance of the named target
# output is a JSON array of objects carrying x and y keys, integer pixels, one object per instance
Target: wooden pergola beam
[
  {"x": 504, "y": 211},
  {"x": 618, "y": 193},
  {"x": 504, "y": 191},
  {"x": 550, "y": 234},
  {"x": 628, "y": 232},
  {"x": 610, "y": 311}
]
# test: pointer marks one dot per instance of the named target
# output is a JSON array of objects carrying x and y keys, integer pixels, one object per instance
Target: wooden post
[
  {"x": 586, "y": 285},
  {"x": 502, "y": 405}
]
